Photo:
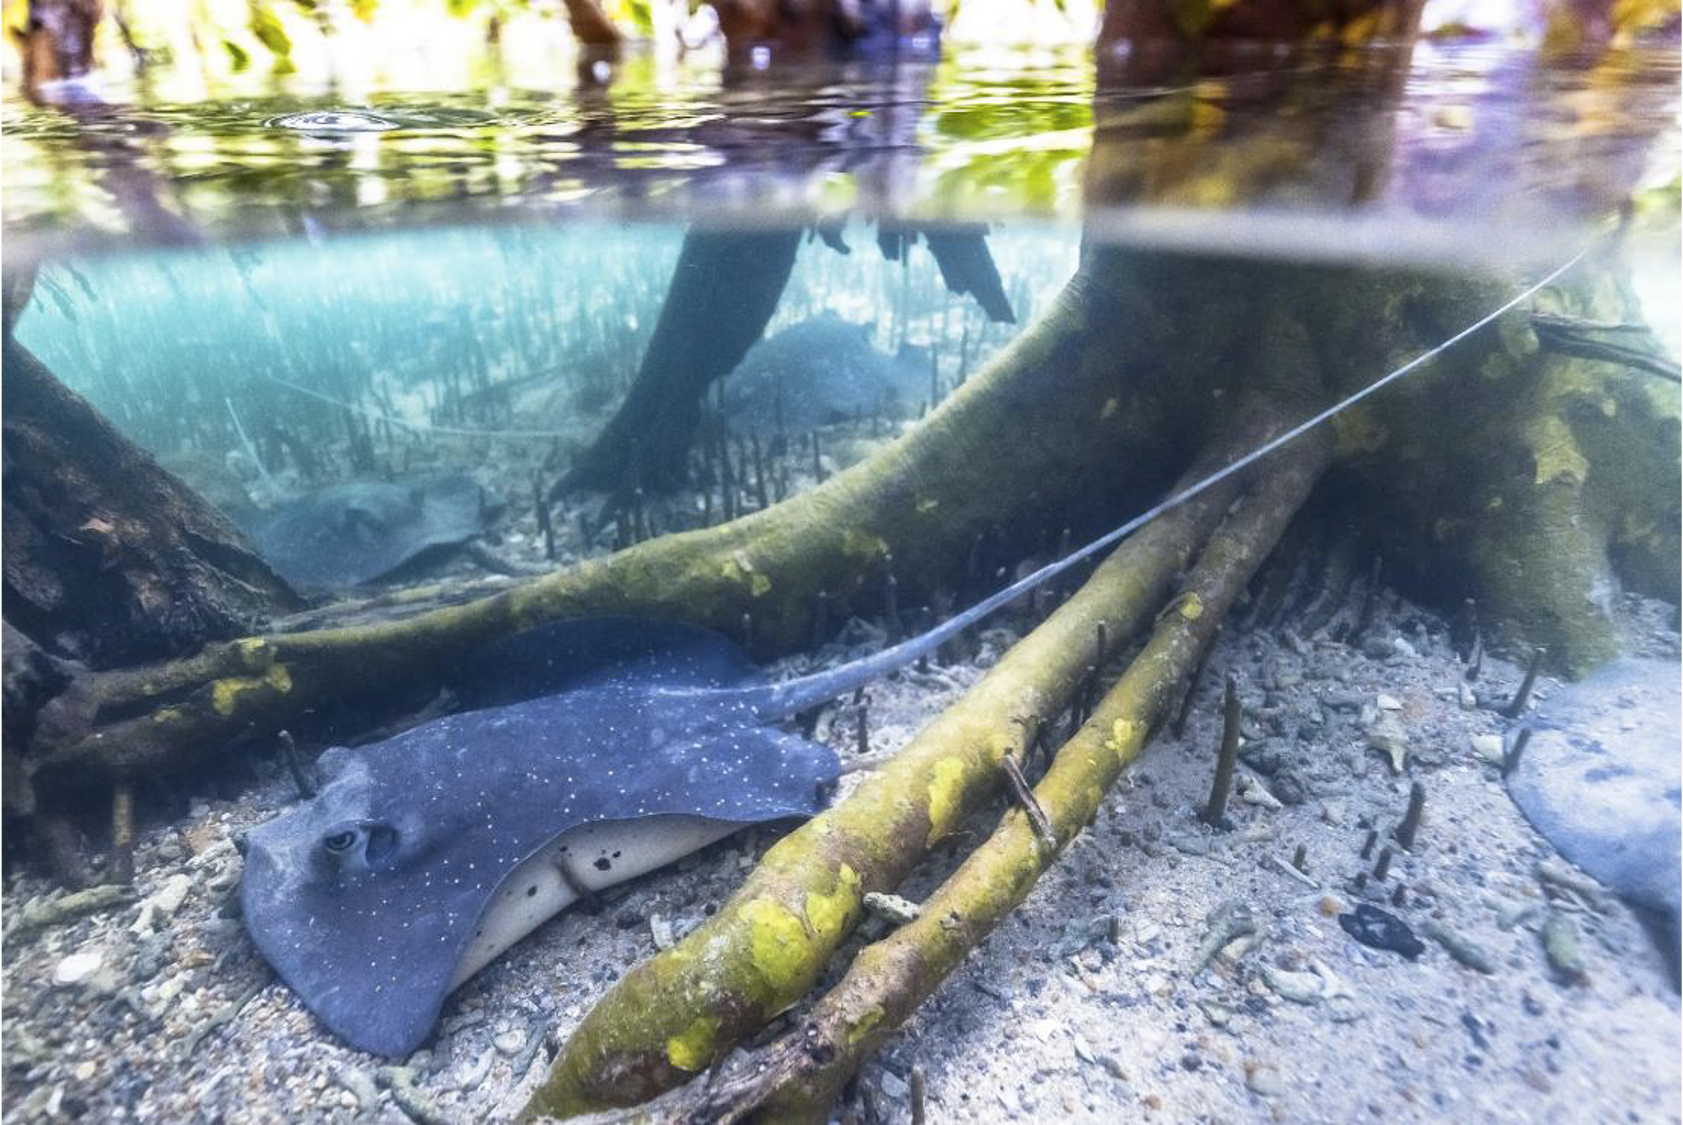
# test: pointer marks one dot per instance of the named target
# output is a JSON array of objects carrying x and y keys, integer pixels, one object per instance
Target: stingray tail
[{"x": 805, "y": 692}]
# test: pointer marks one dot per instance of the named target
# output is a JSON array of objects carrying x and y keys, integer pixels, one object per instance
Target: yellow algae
[
  {"x": 1192, "y": 607},
  {"x": 166, "y": 715},
  {"x": 692, "y": 1048},
  {"x": 862, "y": 544},
  {"x": 944, "y": 784},
  {"x": 779, "y": 944},
  {"x": 255, "y": 652},
  {"x": 739, "y": 568},
  {"x": 866, "y": 1023},
  {"x": 827, "y": 914},
  {"x": 225, "y": 693},
  {"x": 1355, "y": 431},
  {"x": 1557, "y": 453},
  {"x": 1123, "y": 734}
]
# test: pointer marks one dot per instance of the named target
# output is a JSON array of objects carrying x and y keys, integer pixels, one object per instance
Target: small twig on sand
[
  {"x": 222, "y": 1018},
  {"x": 301, "y": 776},
  {"x": 1510, "y": 760},
  {"x": 122, "y": 833},
  {"x": 1411, "y": 819},
  {"x": 1290, "y": 871}
]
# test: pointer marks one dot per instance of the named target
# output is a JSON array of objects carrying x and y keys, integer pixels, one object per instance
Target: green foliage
[
  {"x": 269, "y": 31},
  {"x": 639, "y": 14}
]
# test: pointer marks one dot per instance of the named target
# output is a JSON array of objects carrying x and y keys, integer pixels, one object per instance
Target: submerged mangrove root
[
  {"x": 1532, "y": 482},
  {"x": 676, "y": 1013},
  {"x": 797, "y": 1077},
  {"x": 924, "y": 499},
  {"x": 1537, "y": 483},
  {"x": 724, "y": 289}
]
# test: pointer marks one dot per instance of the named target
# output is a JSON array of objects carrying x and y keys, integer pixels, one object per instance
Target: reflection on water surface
[{"x": 1370, "y": 151}]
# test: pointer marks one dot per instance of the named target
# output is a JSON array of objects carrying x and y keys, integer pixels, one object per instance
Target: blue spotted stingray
[{"x": 596, "y": 750}]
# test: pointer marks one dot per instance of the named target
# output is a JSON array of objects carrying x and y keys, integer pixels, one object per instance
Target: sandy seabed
[{"x": 1083, "y": 1006}]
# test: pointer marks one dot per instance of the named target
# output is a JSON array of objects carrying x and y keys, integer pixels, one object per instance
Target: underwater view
[{"x": 844, "y": 561}]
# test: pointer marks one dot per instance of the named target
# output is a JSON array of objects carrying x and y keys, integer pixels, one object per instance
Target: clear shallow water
[
  {"x": 374, "y": 293},
  {"x": 1468, "y": 152},
  {"x": 406, "y": 322}
]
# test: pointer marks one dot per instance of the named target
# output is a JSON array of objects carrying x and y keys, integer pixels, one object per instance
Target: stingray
[
  {"x": 1601, "y": 779},
  {"x": 595, "y": 750},
  {"x": 821, "y": 371},
  {"x": 351, "y": 534}
]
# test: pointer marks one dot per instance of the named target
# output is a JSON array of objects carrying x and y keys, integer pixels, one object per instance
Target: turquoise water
[{"x": 420, "y": 328}]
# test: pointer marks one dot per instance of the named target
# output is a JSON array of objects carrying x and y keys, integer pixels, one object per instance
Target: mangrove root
[
  {"x": 676, "y": 1013},
  {"x": 797, "y": 1077}
]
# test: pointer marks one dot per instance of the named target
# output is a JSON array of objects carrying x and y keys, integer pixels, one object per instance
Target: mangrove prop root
[
  {"x": 923, "y": 499},
  {"x": 1215, "y": 811},
  {"x": 674, "y": 1014},
  {"x": 121, "y": 869},
  {"x": 797, "y": 1077}
]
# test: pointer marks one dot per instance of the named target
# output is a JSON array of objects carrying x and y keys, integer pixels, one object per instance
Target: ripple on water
[{"x": 334, "y": 121}]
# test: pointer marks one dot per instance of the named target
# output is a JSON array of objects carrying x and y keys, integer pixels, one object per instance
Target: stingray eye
[
  {"x": 339, "y": 842},
  {"x": 358, "y": 845}
]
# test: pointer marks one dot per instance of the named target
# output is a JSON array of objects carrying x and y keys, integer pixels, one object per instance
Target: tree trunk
[
  {"x": 109, "y": 559},
  {"x": 724, "y": 289}
]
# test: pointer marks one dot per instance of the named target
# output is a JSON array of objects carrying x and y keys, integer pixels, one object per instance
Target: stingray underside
[
  {"x": 351, "y": 534},
  {"x": 1601, "y": 780},
  {"x": 365, "y": 897}
]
